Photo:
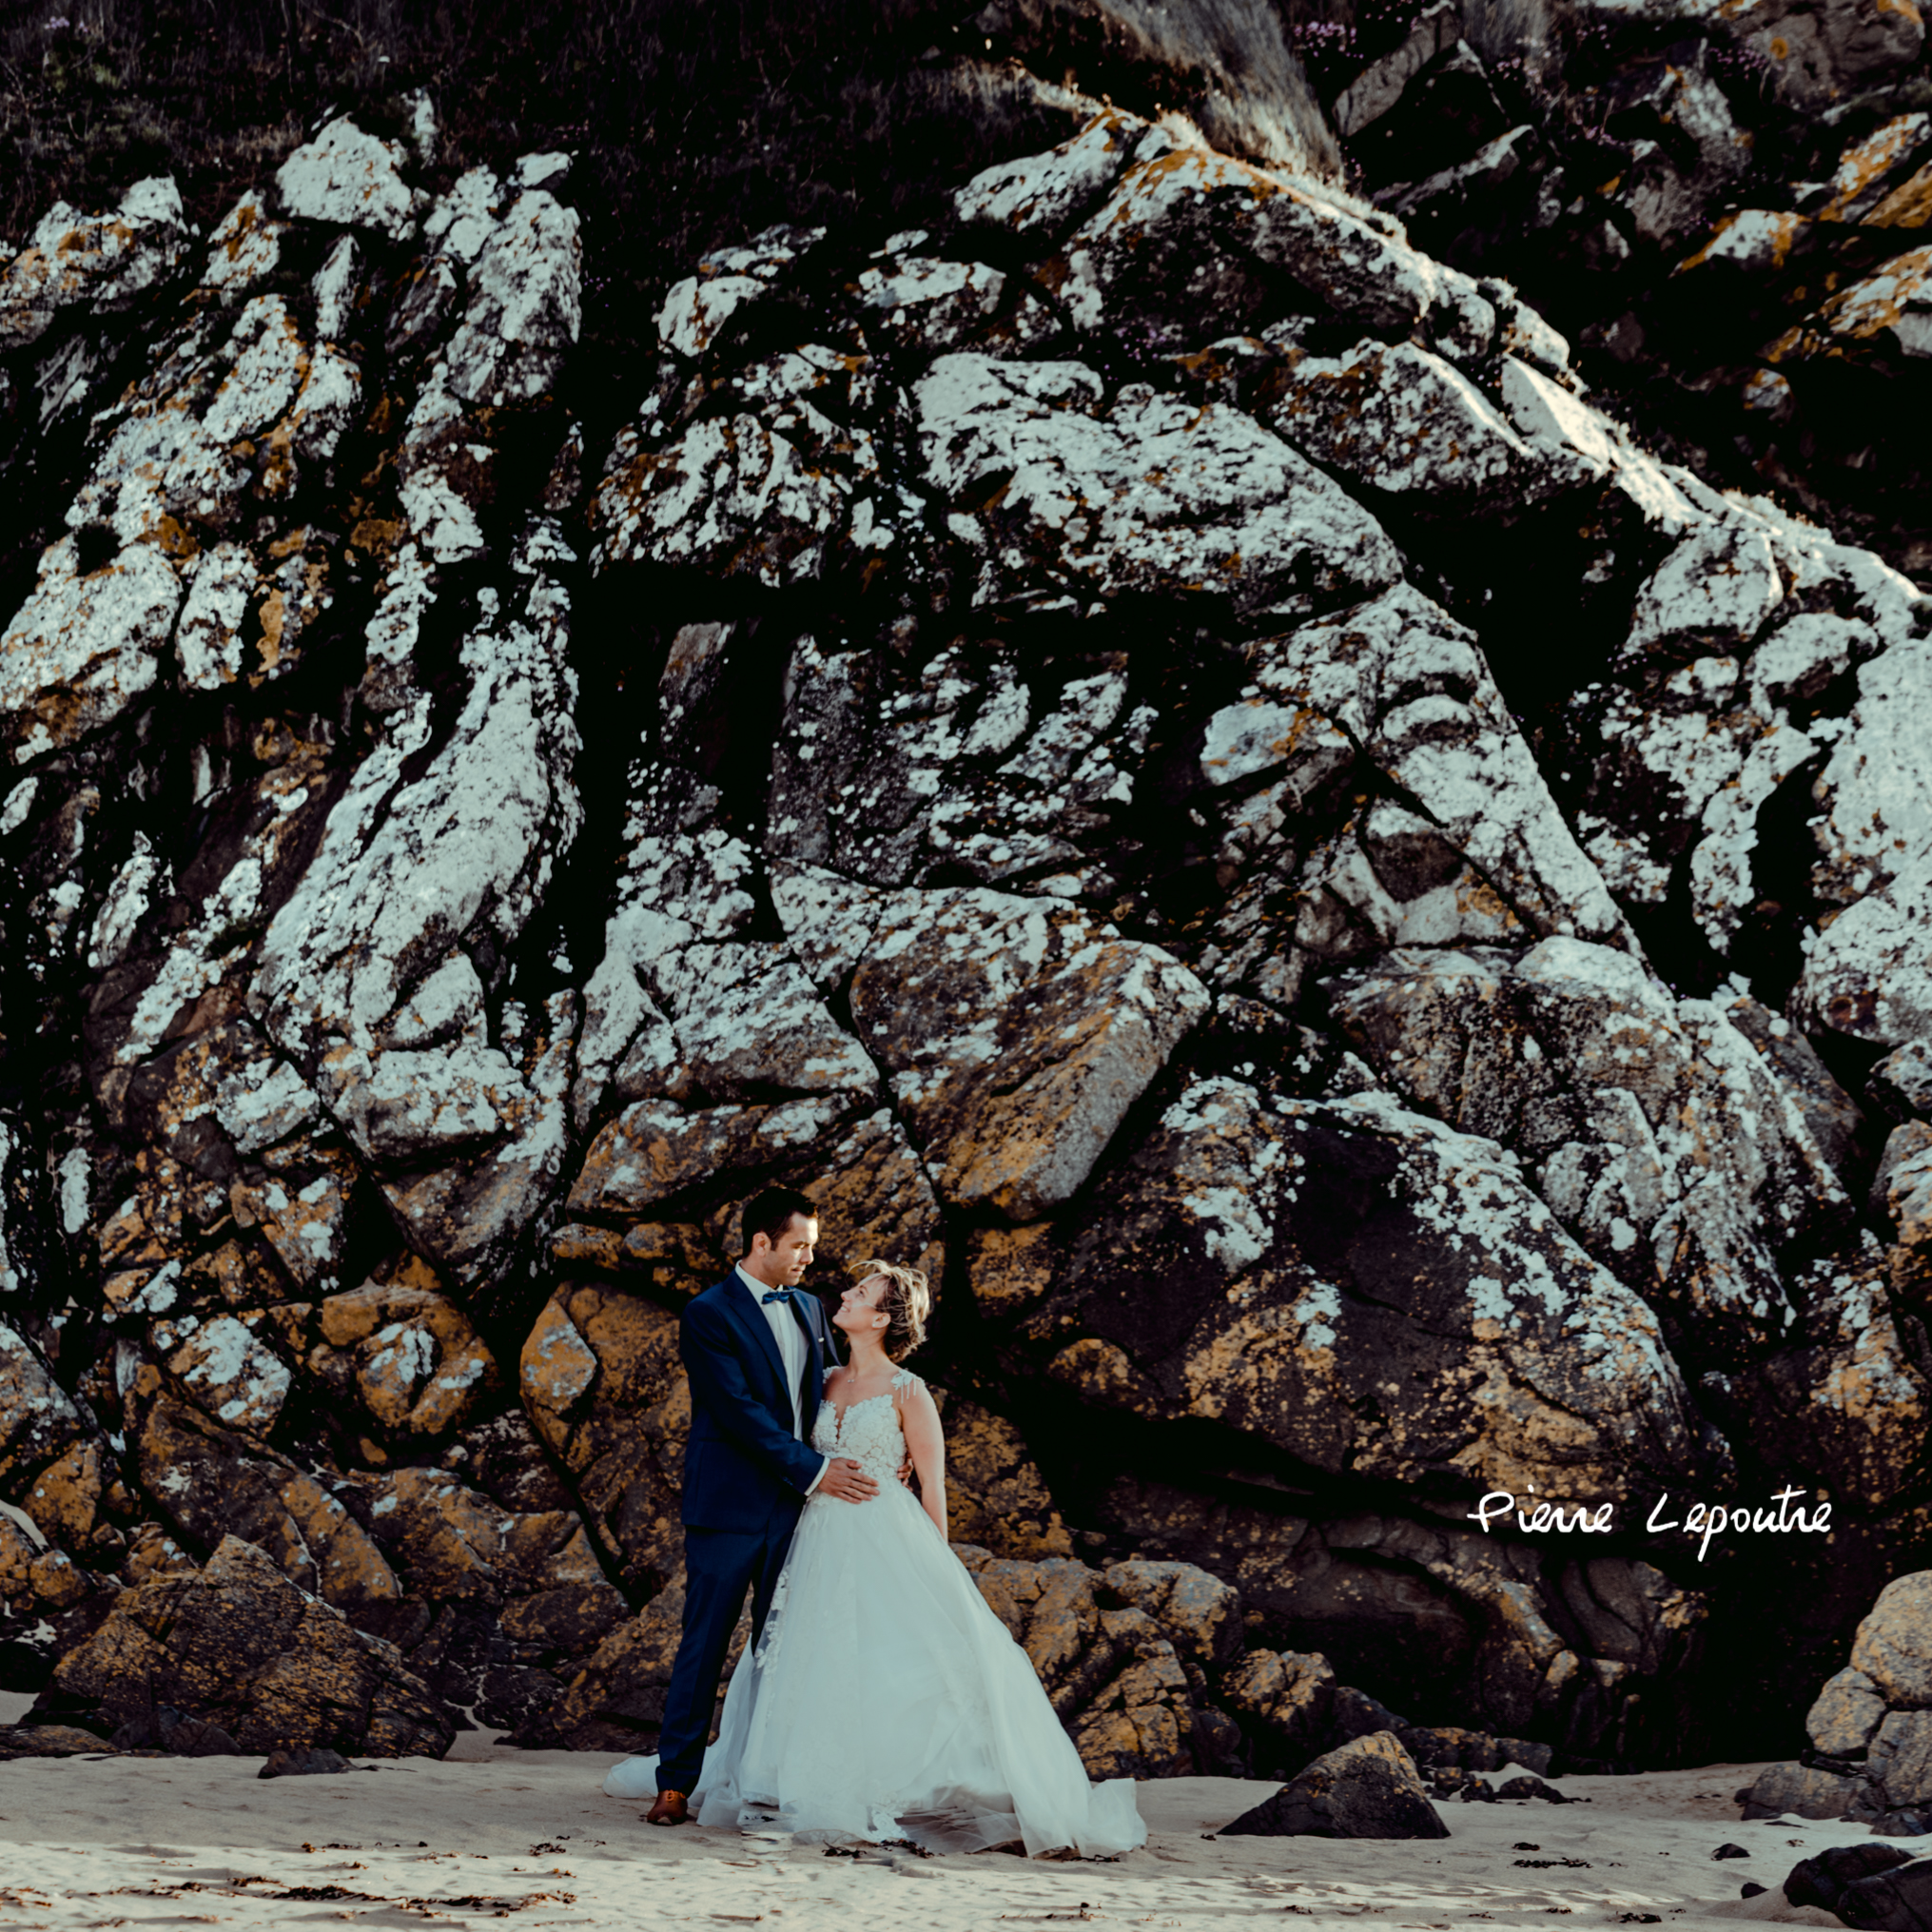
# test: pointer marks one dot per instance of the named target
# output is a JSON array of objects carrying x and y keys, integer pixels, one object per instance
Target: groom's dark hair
[{"x": 770, "y": 1213}]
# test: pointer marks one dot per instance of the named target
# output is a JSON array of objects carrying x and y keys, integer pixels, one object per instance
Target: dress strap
[{"x": 904, "y": 1380}]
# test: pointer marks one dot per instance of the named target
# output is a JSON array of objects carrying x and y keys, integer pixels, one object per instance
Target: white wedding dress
[{"x": 884, "y": 1700}]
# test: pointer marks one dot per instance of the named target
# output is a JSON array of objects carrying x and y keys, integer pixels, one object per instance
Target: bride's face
[{"x": 859, "y": 1307}]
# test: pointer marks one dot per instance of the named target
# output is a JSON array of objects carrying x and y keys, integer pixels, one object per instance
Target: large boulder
[
  {"x": 1301, "y": 1246},
  {"x": 1666, "y": 1144},
  {"x": 1365, "y": 1788},
  {"x": 1448, "y": 1624},
  {"x": 1113, "y": 1675},
  {"x": 237, "y": 1643},
  {"x": 1017, "y": 1032}
]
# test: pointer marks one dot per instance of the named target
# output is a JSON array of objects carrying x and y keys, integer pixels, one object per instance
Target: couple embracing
[{"x": 879, "y": 1697}]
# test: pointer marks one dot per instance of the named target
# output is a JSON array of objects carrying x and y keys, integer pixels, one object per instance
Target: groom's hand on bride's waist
[{"x": 847, "y": 1480}]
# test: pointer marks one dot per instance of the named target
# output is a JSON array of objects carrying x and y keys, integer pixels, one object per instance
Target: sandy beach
[{"x": 493, "y": 1831}]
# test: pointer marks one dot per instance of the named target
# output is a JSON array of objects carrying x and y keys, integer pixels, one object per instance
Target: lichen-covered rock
[
  {"x": 236, "y": 1642},
  {"x": 348, "y": 179},
  {"x": 1188, "y": 230},
  {"x": 211, "y": 1484},
  {"x": 1112, "y": 1675},
  {"x": 1282, "y": 1701},
  {"x": 1200, "y": 1613},
  {"x": 1648, "y": 1122},
  {"x": 1893, "y": 1646},
  {"x": 1451, "y": 836},
  {"x": 1123, "y": 822},
  {"x": 1274, "y": 1225},
  {"x": 1868, "y": 975},
  {"x": 996, "y": 1498},
  {"x": 1813, "y": 55},
  {"x": 233, "y": 1376},
  {"x": 698, "y": 308},
  {"x": 83, "y": 647},
  {"x": 1397, "y": 419},
  {"x": 99, "y": 263},
  {"x": 51, "y": 1451},
  {"x": 1841, "y": 1403},
  {"x": 245, "y": 248},
  {"x": 605, "y": 1393},
  {"x": 934, "y": 304},
  {"x": 48, "y": 1602},
  {"x": 732, "y": 497},
  {"x": 462, "y": 851},
  {"x": 1846, "y": 1716},
  {"x": 1045, "y": 193},
  {"x": 1016, "y": 1032},
  {"x": 407, "y": 1356},
  {"x": 1151, "y": 497}
]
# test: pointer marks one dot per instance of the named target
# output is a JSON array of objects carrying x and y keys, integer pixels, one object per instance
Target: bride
[{"x": 884, "y": 1700}]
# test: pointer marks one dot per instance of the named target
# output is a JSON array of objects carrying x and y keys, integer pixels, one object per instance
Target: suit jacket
[{"x": 744, "y": 1469}]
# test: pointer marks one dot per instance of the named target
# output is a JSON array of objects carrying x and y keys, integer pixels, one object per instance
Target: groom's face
[{"x": 791, "y": 1252}]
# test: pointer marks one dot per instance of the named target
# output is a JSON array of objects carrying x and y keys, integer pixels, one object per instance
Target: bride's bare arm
[{"x": 926, "y": 1445}]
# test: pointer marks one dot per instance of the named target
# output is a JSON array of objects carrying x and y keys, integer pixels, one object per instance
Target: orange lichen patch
[
  {"x": 1104, "y": 1373},
  {"x": 173, "y": 539},
  {"x": 66, "y": 1496},
  {"x": 995, "y": 1495},
  {"x": 1866, "y": 162},
  {"x": 287, "y": 1321},
  {"x": 673, "y": 1255},
  {"x": 277, "y": 452},
  {"x": 1197, "y": 168},
  {"x": 1908, "y": 205},
  {"x": 273, "y": 616},
  {"x": 248, "y": 218},
  {"x": 1878, "y": 302},
  {"x": 377, "y": 537},
  {"x": 577, "y": 1245},
  {"x": 1477, "y": 901},
  {"x": 1011, "y": 1269},
  {"x": 297, "y": 593}
]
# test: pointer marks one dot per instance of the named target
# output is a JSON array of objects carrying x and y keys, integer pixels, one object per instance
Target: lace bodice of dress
[{"x": 870, "y": 1435}]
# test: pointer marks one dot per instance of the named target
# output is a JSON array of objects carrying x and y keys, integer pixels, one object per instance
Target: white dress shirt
[{"x": 793, "y": 1351}]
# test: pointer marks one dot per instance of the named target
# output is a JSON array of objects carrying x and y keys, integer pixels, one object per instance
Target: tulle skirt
[{"x": 886, "y": 1701}]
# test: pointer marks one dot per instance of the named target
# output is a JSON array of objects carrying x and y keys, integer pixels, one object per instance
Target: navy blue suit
[{"x": 745, "y": 1481}]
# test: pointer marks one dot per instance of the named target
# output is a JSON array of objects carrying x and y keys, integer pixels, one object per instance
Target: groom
[{"x": 757, "y": 1348}]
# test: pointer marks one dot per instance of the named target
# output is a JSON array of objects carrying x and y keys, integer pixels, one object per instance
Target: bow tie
[{"x": 777, "y": 1294}]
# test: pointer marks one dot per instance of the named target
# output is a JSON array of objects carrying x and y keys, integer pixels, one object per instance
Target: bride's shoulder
[{"x": 907, "y": 1387}]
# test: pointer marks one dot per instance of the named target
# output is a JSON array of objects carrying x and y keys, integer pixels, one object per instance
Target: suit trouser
[{"x": 719, "y": 1565}]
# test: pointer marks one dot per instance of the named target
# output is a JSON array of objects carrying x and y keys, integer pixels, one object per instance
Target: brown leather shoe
[{"x": 671, "y": 1808}]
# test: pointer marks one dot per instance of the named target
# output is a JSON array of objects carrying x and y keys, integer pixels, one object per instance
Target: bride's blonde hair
[{"x": 908, "y": 1300}]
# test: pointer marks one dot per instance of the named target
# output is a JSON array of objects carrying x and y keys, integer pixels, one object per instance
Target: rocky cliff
[
  {"x": 1147, "y": 742},
  {"x": 1723, "y": 207}
]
